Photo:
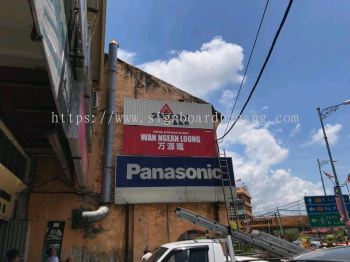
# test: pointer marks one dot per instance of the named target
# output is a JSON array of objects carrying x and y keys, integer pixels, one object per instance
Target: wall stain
[
  {"x": 82, "y": 254},
  {"x": 91, "y": 231}
]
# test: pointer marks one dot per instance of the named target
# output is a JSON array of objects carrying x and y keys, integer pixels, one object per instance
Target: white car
[
  {"x": 316, "y": 244},
  {"x": 248, "y": 259},
  {"x": 204, "y": 250}
]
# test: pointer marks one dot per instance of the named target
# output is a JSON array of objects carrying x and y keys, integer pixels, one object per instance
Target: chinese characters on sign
[
  {"x": 170, "y": 146},
  {"x": 167, "y": 141},
  {"x": 53, "y": 238}
]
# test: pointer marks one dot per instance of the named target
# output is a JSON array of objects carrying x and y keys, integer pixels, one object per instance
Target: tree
[{"x": 291, "y": 234}]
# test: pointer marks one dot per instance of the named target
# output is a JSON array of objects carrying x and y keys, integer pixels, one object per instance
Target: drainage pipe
[{"x": 106, "y": 185}]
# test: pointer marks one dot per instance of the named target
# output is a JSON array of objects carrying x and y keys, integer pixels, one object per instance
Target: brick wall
[{"x": 128, "y": 229}]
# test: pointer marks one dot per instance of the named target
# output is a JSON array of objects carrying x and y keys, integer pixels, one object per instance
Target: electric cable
[
  {"x": 270, "y": 210},
  {"x": 262, "y": 68},
  {"x": 247, "y": 66}
]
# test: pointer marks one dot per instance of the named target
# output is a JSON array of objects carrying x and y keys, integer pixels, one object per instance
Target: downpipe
[{"x": 103, "y": 210}]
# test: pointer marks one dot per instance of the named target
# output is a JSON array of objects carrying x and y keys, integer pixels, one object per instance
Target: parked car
[
  {"x": 334, "y": 254},
  {"x": 313, "y": 243},
  {"x": 316, "y": 244}
]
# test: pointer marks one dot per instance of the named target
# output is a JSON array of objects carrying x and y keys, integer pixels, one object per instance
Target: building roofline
[{"x": 196, "y": 99}]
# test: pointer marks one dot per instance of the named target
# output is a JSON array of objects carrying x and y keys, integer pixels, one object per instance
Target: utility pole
[
  {"x": 280, "y": 222},
  {"x": 337, "y": 189},
  {"x": 301, "y": 223},
  {"x": 319, "y": 168}
]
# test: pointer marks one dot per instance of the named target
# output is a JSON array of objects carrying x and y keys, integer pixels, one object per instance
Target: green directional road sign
[
  {"x": 323, "y": 211},
  {"x": 325, "y": 220}
]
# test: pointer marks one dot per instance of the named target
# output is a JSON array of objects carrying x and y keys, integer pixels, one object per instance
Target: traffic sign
[
  {"x": 328, "y": 208},
  {"x": 323, "y": 212},
  {"x": 310, "y": 200},
  {"x": 325, "y": 220}
]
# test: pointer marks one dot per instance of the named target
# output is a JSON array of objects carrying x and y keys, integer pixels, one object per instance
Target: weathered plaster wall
[{"x": 128, "y": 229}]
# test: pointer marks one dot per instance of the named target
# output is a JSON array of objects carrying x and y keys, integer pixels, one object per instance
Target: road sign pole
[{"x": 337, "y": 186}]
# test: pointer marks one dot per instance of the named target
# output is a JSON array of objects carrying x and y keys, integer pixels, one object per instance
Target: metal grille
[{"x": 13, "y": 235}]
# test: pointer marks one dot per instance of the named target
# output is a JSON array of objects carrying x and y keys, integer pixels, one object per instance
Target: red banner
[{"x": 168, "y": 141}]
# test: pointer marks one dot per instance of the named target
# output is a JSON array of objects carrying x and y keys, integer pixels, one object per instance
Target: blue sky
[{"x": 309, "y": 67}]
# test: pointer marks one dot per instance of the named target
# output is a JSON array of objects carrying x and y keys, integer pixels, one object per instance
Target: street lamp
[{"x": 323, "y": 114}]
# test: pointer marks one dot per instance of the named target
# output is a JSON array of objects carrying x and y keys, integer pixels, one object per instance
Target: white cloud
[
  {"x": 268, "y": 187},
  {"x": 265, "y": 108},
  {"x": 287, "y": 188},
  {"x": 227, "y": 98},
  {"x": 260, "y": 145},
  {"x": 332, "y": 134},
  {"x": 173, "y": 52},
  {"x": 295, "y": 130},
  {"x": 126, "y": 55},
  {"x": 203, "y": 71}
]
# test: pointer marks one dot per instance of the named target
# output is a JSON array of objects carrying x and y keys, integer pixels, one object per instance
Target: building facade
[
  {"x": 52, "y": 161},
  {"x": 53, "y": 90},
  {"x": 243, "y": 203},
  {"x": 51, "y": 58},
  {"x": 275, "y": 224},
  {"x": 128, "y": 228}
]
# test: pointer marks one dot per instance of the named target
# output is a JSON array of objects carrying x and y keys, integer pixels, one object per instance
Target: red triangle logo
[{"x": 166, "y": 110}]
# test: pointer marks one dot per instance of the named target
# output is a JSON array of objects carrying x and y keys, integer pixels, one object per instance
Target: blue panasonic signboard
[{"x": 169, "y": 179}]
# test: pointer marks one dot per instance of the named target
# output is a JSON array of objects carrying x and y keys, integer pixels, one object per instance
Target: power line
[
  {"x": 271, "y": 210},
  {"x": 246, "y": 69},
  {"x": 285, "y": 205},
  {"x": 282, "y": 211},
  {"x": 262, "y": 68}
]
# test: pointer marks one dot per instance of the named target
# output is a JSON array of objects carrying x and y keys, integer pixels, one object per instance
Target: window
[
  {"x": 13, "y": 234},
  {"x": 195, "y": 254},
  {"x": 199, "y": 255}
]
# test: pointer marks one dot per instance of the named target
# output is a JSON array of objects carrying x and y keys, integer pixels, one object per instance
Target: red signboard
[{"x": 168, "y": 141}]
